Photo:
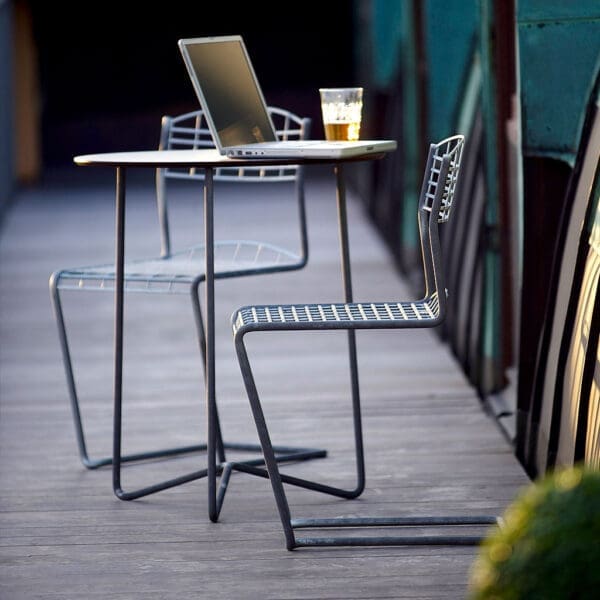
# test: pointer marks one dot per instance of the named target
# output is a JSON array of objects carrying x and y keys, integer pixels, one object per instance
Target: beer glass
[{"x": 342, "y": 110}]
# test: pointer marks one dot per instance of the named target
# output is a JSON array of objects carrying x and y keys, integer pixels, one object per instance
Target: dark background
[{"x": 108, "y": 71}]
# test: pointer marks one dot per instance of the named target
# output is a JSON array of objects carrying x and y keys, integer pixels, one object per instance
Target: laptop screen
[{"x": 228, "y": 90}]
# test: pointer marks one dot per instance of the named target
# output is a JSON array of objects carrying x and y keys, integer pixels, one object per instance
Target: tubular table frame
[{"x": 208, "y": 160}]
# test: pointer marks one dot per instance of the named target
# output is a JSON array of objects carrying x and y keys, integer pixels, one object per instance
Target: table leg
[
  {"x": 211, "y": 408},
  {"x": 118, "y": 332},
  {"x": 117, "y": 458},
  {"x": 347, "y": 283},
  {"x": 215, "y": 467}
]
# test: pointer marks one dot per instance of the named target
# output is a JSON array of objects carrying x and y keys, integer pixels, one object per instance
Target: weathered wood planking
[{"x": 430, "y": 448}]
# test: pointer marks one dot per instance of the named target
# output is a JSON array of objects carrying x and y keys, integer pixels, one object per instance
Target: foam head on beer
[{"x": 342, "y": 110}]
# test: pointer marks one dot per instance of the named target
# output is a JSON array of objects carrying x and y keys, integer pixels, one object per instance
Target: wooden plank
[{"x": 430, "y": 447}]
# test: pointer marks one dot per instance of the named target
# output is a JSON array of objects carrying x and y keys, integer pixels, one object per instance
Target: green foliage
[{"x": 548, "y": 546}]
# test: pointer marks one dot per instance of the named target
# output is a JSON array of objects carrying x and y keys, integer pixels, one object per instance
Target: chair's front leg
[{"x": 265, "y": 441}]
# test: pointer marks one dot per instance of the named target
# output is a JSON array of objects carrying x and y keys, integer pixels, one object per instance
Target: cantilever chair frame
[
  {"x": 182, "y": 272},
  {"x": 435, "y": 205}
]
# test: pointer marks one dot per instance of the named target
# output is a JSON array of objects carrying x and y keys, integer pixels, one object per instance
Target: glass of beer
[{"x": 342, "y": 110}]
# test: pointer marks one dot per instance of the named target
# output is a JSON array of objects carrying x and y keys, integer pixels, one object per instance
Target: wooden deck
[{"x": 64, "y": 535}]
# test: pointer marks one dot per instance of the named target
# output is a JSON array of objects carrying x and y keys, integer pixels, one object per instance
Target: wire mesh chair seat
[
  {"x": 182, "y": 271},
  {"x": 435, "y": 204},
  {"x": 173, "y": 274},
  {"x": 358, "y": 315}
]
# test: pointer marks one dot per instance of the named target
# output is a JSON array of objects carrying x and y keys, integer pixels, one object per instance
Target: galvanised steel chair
[
  {"x": 182, "y": 272},
  {"x": 437, "y": 195}
]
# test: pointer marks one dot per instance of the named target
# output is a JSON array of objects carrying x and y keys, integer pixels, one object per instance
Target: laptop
[{"x": 236, "y": 112}]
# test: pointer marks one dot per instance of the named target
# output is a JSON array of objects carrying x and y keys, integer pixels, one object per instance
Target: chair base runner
[
  {"x": 389, "y": 540},
  {"x": 393, "y": 521},
  {"x": 430, "y": 540},
  {"x": 95, "y": 463}
]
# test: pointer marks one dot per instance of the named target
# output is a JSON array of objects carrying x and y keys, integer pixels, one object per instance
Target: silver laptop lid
[{"x": 228, "y": 90}]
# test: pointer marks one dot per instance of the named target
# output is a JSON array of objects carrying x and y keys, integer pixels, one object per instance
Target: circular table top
[{"x": 202, "y": 158}]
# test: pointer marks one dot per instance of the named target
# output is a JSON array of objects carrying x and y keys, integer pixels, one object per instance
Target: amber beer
[
  {"x": 342, "y": 131},
  {"x": 341, "y": 109}
]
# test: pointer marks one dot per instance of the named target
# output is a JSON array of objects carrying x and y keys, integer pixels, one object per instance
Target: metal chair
[
  {"x": 435, "y": 205},
  {"x": 182, "y": 272}
]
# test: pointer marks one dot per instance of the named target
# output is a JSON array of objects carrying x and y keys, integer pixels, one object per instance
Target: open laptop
[{"x": 236, "y": 111}]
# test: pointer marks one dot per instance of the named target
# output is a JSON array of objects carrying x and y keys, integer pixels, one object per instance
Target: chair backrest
[
  {"x": 190, "y": 131},
  {"x": 435, "y": 205}
]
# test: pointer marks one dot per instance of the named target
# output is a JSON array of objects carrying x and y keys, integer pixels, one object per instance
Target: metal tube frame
[
  {"x": 215, "y": 446},
  {"x": 277, "y": 479}
]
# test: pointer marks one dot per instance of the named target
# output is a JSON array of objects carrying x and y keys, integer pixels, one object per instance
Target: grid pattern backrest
[
  {"x": 443, "y": 163},
  {"x": 190, "y": 131}
]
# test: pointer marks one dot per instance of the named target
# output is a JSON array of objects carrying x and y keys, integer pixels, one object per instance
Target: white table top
[{"x": 198, "y": 158}]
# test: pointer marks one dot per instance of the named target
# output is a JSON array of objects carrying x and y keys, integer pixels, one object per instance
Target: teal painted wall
[
  {"x": 549, "y": 49},
  {"x": 559, "y": 59},
  {"x": 450, "y": 37},
  {"x": 387, "y": 33}
]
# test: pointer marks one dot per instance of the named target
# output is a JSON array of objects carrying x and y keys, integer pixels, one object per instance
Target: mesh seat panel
[
  {"x": 421, "y": 313},
  {"x": 169, "y": 274}
]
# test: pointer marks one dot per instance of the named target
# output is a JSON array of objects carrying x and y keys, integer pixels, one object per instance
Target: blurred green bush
[{"x": 548, "y": 546}]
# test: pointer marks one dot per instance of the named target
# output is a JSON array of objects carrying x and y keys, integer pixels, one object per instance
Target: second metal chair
[
  {"x": 182, "y": 272},
  {"x": 437, "y": 195}
]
